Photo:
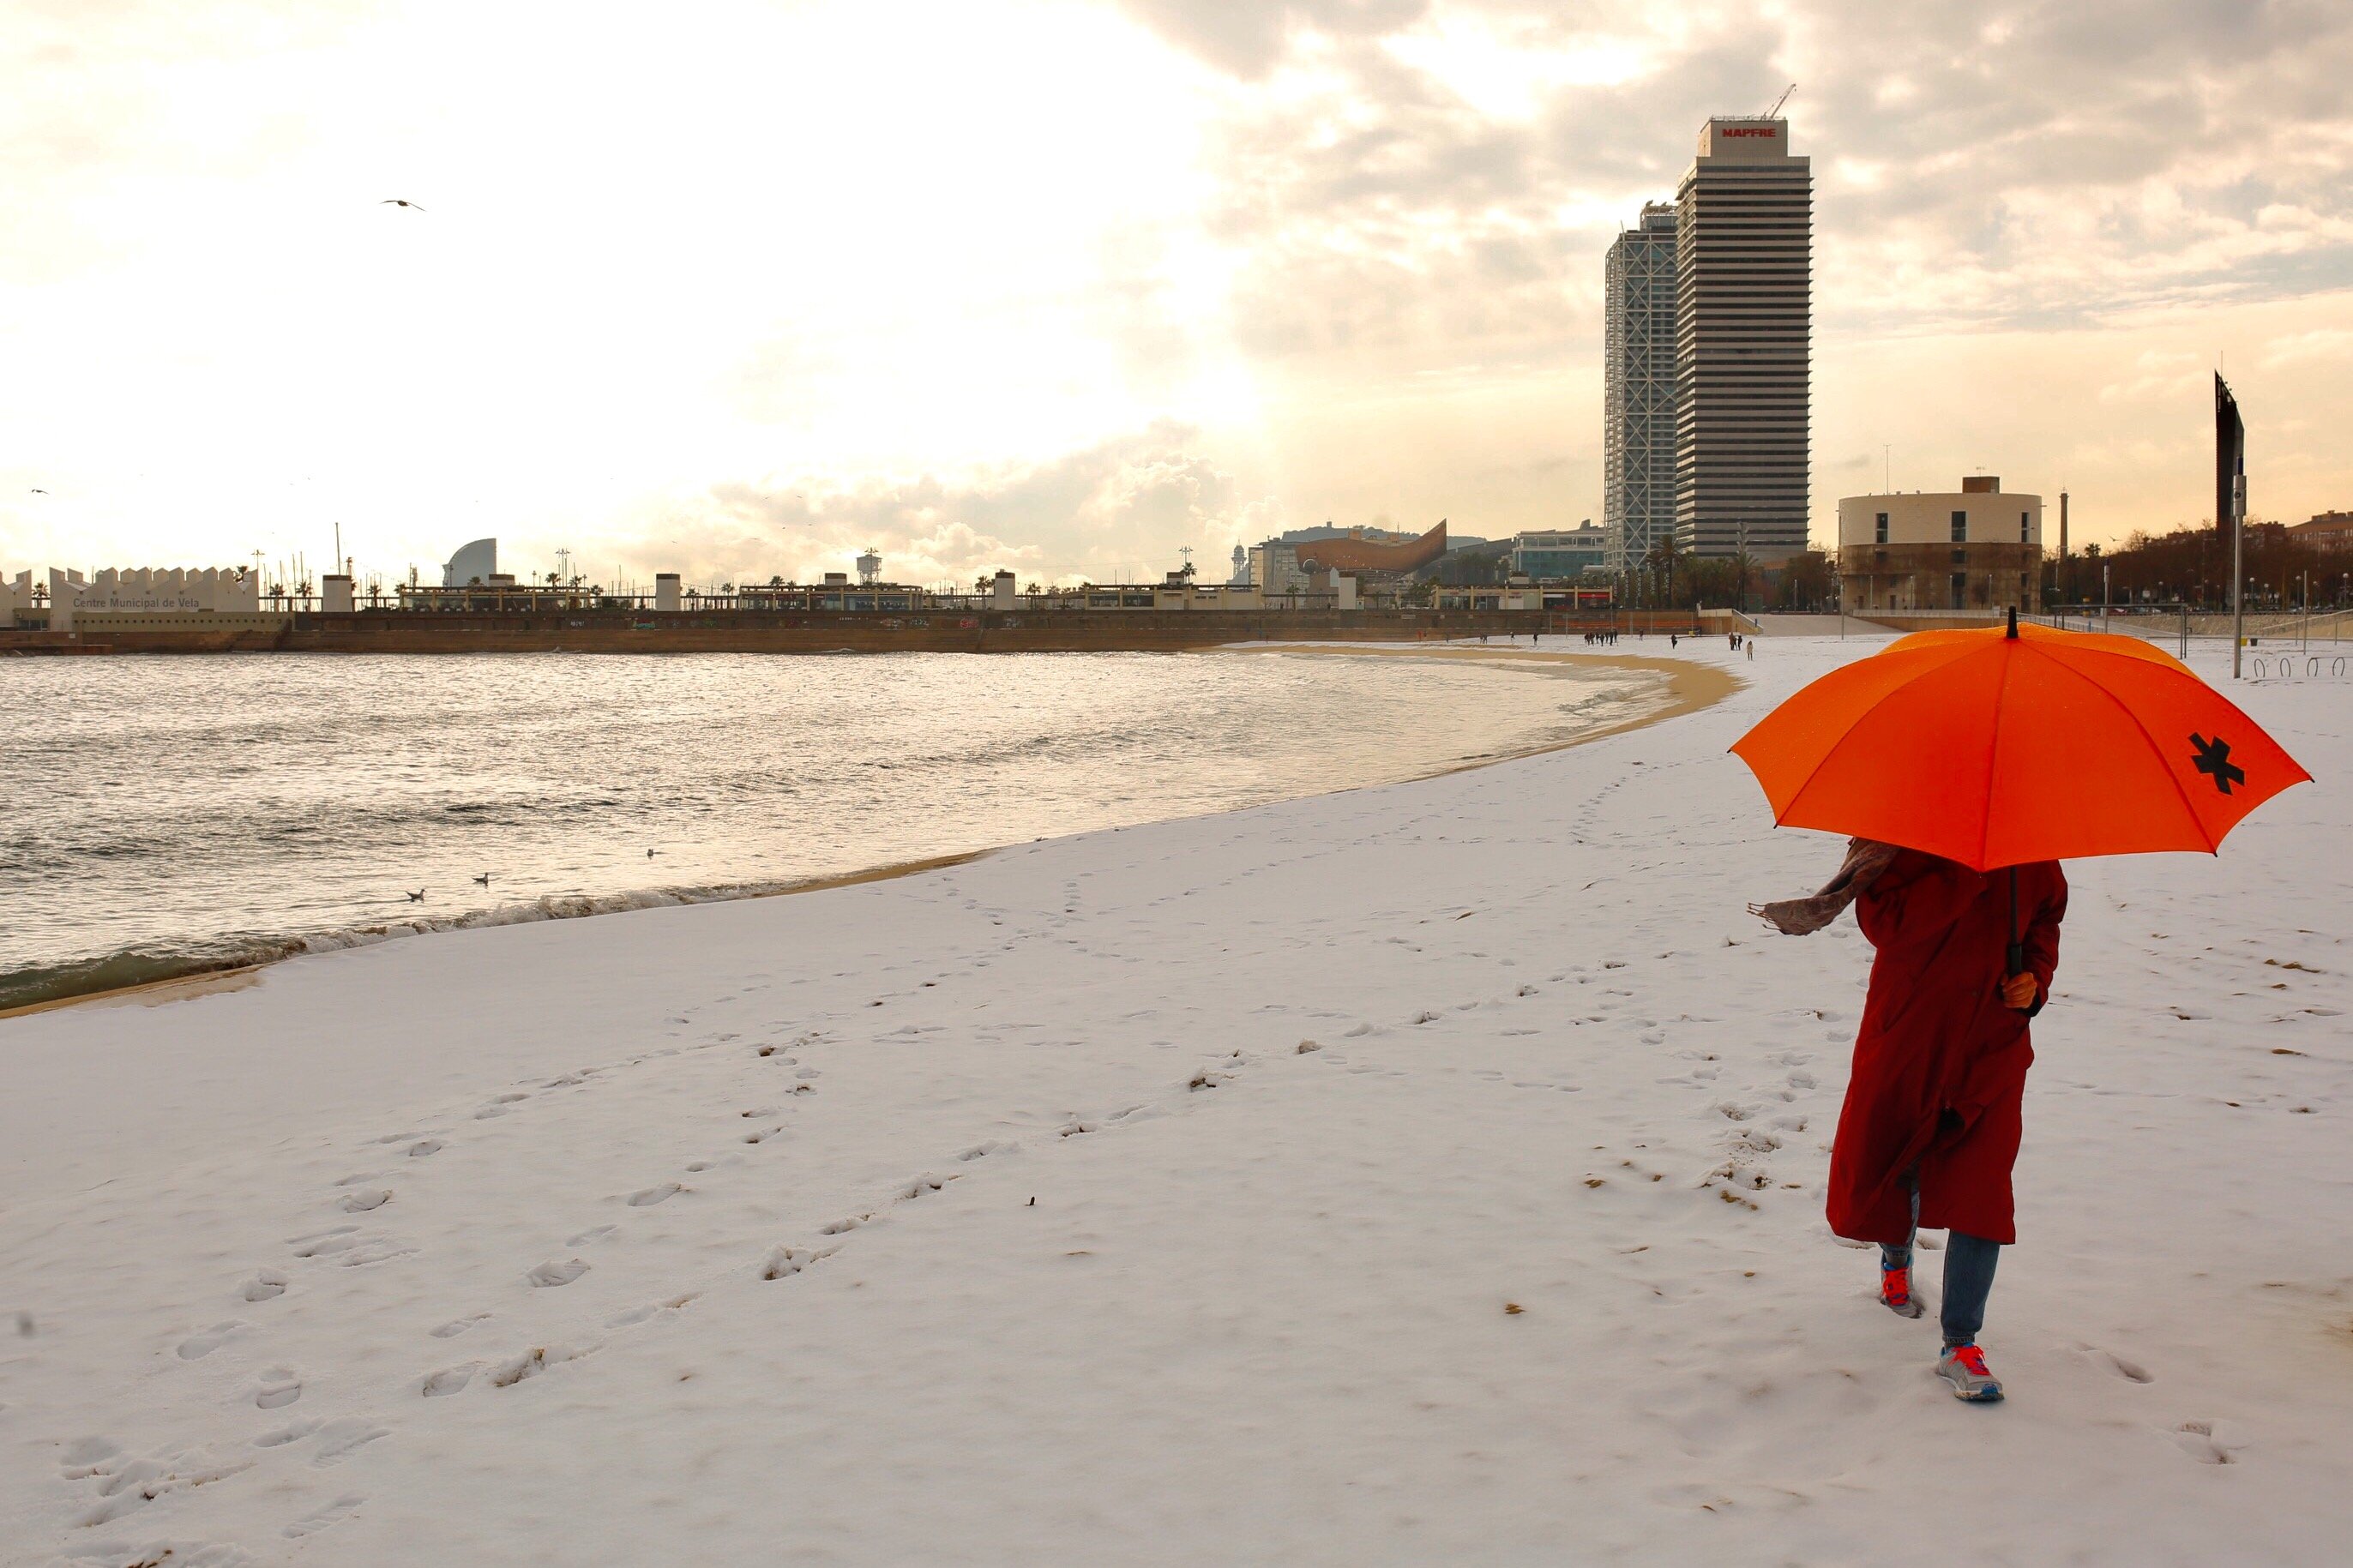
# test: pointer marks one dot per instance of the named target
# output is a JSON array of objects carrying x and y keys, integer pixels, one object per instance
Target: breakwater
[{"x": 782, "y": 631}]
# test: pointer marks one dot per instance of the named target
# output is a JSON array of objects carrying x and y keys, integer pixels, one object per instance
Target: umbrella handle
[{"x": 2017, "y": 948}]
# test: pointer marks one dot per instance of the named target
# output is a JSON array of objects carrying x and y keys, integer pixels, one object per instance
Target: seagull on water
[
  {"x": 417, "y": 896},
  {"x": 398, "y": 202},
  {"x": 649, "y": 854},
  {"x": 483, "y": 880}
]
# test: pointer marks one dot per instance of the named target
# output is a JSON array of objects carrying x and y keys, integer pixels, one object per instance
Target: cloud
[
  {"x": 1248, "y": 38},
  {"x": 2330, "y": 343},
  {"x": 2058, "y": 164},
  {"x": 1120, "y": 509},
  {"x": 1068, "y": 284}
]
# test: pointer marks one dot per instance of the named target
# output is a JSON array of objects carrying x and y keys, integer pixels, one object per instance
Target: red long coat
[{"x": 1940, "y": 1062}]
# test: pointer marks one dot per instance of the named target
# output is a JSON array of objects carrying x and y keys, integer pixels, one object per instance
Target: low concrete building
[
  {"x": 143, "y": 593},
  {"x": 1977, "y": 548},
  {"x": 1558, "y": 554},
  {"x": 1520, "y": 596},
  {"x": 2330, "y": 531}
]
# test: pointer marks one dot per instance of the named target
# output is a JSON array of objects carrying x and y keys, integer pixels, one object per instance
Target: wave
[{"x": 148, "y": 964}]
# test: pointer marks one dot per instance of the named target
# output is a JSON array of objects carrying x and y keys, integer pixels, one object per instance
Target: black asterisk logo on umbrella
[{"x": 2214, "y": 761}]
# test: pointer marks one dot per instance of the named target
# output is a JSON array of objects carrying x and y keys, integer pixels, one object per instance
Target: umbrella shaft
[{"x": 2017, "y": 948}]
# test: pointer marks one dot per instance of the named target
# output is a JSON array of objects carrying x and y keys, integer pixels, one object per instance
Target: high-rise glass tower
[
  {"x": 1742, "y": 330},
  {"x": 1638, "y": 391}
]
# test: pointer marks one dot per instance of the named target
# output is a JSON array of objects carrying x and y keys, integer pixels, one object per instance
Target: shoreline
[{"x": 1689, "y": 688}]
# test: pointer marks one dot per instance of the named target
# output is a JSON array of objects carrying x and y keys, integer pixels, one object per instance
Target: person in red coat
[{"x": 1931, "y": 1124}]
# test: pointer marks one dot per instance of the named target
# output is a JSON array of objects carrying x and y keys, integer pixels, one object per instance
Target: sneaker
[
  {"x": 1964, "y": 1367},
  {"x": 1895, "y": 1292}
]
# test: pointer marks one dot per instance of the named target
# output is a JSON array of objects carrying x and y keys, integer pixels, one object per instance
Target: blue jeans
[{"x": 1968, "y": 1277}]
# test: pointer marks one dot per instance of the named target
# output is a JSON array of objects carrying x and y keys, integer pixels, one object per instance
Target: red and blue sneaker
[
  {"x": 1964, "y": 1366},
  {"x": 1895, "y": 1291}
]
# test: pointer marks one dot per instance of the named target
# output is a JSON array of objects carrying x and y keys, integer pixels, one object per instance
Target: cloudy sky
[{"x": 739, "y": 288}]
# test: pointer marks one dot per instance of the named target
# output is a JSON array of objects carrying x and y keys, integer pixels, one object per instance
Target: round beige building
[{"x": 1975, "y": 549}]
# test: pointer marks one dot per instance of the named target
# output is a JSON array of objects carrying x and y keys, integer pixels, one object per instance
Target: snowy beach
[{"x": 1427, "y": 1172}]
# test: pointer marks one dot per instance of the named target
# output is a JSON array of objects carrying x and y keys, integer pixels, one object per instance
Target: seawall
[{"x": 800, "y": 631}]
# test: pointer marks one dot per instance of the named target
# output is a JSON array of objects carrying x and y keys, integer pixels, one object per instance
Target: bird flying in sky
[{"x": 396, "y": 202}]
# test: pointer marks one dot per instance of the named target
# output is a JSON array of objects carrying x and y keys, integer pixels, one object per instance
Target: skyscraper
[
  {"x": 1743, "y": 335},
  {"x": 1638, "y": 417}
]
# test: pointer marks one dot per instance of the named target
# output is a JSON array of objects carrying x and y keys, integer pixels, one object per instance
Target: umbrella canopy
[{"x": 1999, "y": 748}]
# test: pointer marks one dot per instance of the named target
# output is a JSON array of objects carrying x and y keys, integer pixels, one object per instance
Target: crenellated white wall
[{"x": 148, "y": 591}]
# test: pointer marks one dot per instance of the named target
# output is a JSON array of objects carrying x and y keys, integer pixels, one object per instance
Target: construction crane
[{"x": 1774, "y": 112}]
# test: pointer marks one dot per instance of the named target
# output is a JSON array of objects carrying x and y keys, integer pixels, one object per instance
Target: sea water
[{"x": 163, "y": 816}]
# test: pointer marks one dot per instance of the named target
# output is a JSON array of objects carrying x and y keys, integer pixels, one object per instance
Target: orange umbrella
[{"x": 2002, "y": 747}]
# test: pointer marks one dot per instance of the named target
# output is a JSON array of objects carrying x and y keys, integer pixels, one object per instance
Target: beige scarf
[{"x": 1865, "y": 859}]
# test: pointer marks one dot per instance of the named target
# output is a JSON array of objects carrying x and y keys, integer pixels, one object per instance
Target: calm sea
[{"x": 167, "y": 816}]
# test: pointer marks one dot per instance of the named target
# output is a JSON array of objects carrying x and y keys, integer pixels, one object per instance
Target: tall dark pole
[
  {"x": 2063, "y": 547},
  {"x": 2231, "y": 503}
]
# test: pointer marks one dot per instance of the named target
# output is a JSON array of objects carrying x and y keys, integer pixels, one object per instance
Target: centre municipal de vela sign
[{"x": 137, "y": 604}]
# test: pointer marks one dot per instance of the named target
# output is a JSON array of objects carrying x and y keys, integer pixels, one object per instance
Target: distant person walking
[{"x": 1932, "y": 1120}]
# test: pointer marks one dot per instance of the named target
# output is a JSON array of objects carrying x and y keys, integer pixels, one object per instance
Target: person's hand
[{"x": 2018, "y": 992}]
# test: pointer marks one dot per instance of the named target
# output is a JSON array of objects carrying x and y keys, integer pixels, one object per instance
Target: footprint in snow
[
  {"x": 456, "y": 1326},
  {"x": 338, "y": 1440},
  {"x": 2196, "y": 1439},
  {"x": 128, "y": 1485},
  {"x": 292, "y": 1432},
  {"x": 449, "y": 1380},
  {"x": 352, "y": 1246},
  {"x": 423, "y": 1147},
  {"x": 556, "y": 1272},
  {"x": 531, "y": 1363},
  {"x": 264, "y": 1286},
  {"x": 2124, "y": 1367},
  {"x": 648, "y": 1196},
  {"x": 635, "y": 1315},
  {"x": 787, "y": 1261},
  {"x": 197, "y": 1346},
  {"x": 498, "y": 1106},
  {"x": 277, "y": 1387},
  {"x": 922, "y": 1185},
  {"x": 325, "y": 1514},
  {"x": 594, "y": 1232},
  {"x": 362, "y": 1202}
]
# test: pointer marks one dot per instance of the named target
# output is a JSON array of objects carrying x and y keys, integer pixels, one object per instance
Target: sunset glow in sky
[{"x": 740, "y": 289}]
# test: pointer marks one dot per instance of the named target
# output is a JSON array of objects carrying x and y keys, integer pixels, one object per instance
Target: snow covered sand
[{"x": 706, "y": 1234}]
